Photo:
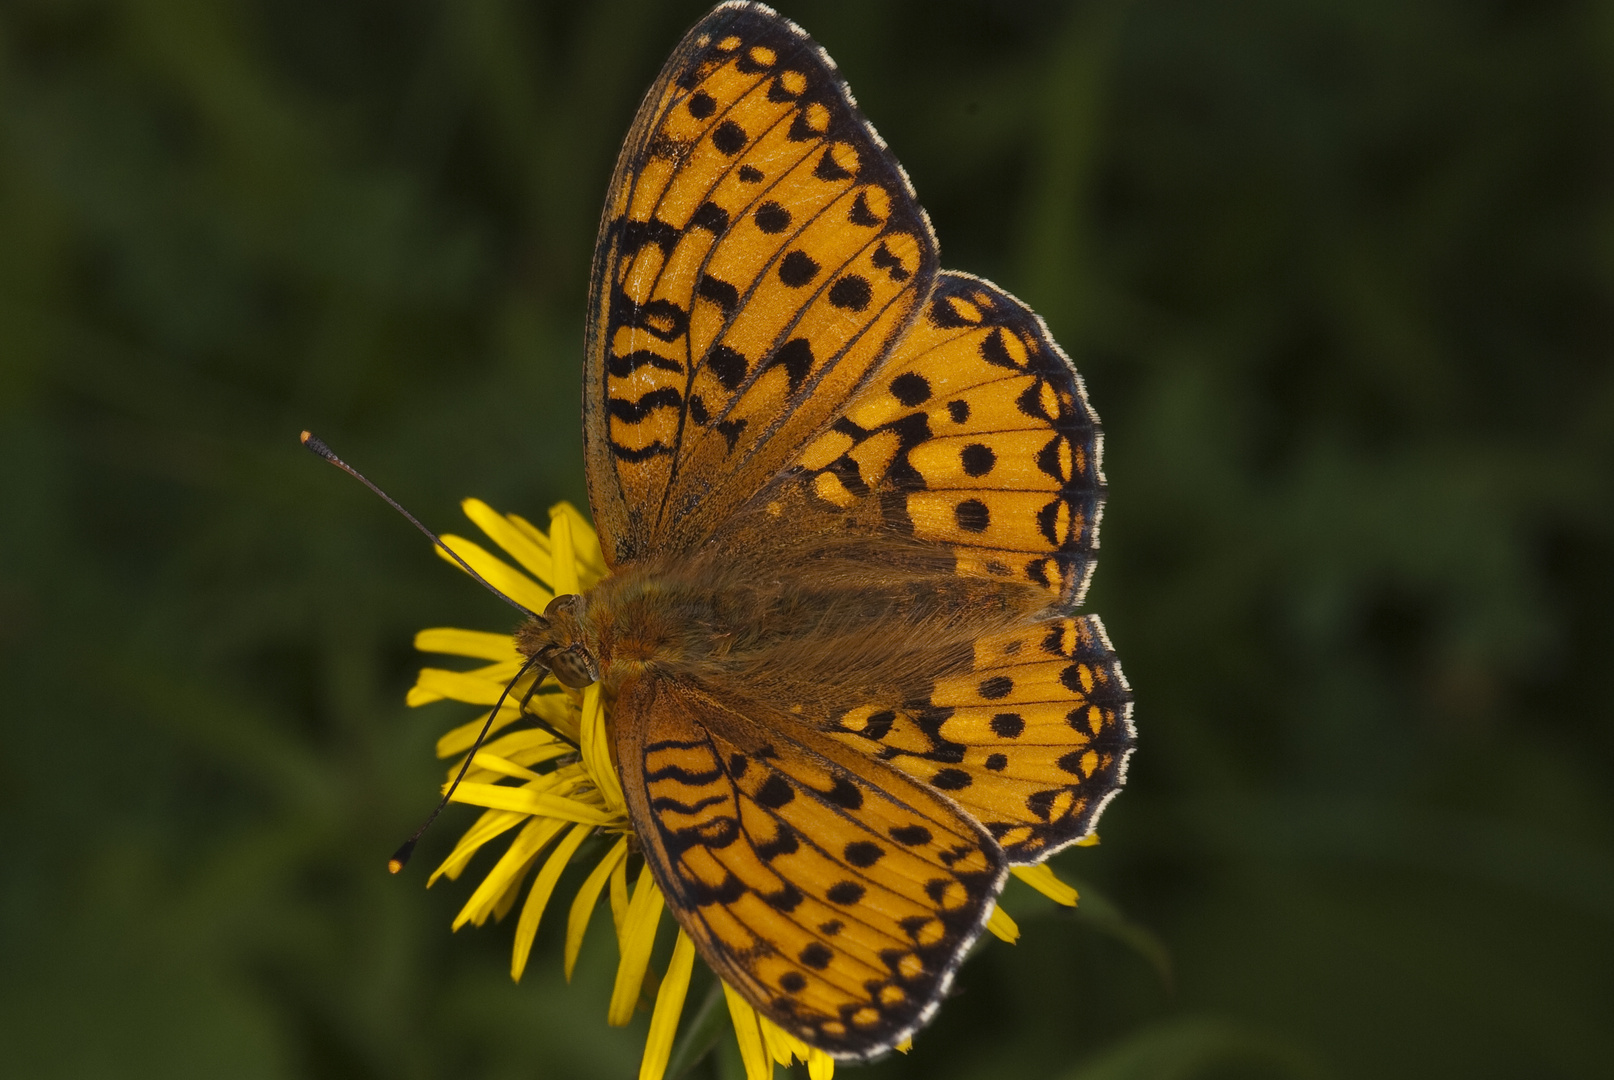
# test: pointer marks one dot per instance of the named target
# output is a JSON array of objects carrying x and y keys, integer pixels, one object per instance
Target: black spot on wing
[
  {"x": 851, "y": 293},
  {"x": 728, "y": 364},
  {"x": 783, "y": 843},
  {"x": 977, "y": 459},
  {"x": 711, "y": 217},
  {"x": 1008, "y": 725},
  {"x": 860, "y": 214},
  {"x": 797, "y": 268},
  {"x": 775, "y": 792},
  {"x": 911, "y": 835},
  {"x": 662, "y": 319},
  {"x": 845, "y": 893},
  {"x": 829, "y": 169},
  {"x": 729, "y": 138},
  {"x": 623, "y": 366},
  {"x": 998, "y": 686},
  {"x": 796, "y": 357},
  {"x": 721, "y": 293},
  {"x": 772, "y": 218},
  {"x": 632, "y": 412},
  {"x": 863, "y": 854},
  {"x": 972, "y": 515},
  {"x": 911, "y": 388},
  {"x": 845, "y": 794},
  {"x": 636, "y": 234},
  {"x": 884, "y": 260},
  {"x": 683, "y": 775},
  {"x": 701, "y": 105},
  {"x": 637, "y": 455},
  {"x": 730, "y": 430}
]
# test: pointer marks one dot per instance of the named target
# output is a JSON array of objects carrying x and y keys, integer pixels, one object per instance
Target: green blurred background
[{"x": 1340, "y": 276}]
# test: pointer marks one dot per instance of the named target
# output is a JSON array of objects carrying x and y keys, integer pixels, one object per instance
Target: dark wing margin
[{"x": 759, "y": 253}]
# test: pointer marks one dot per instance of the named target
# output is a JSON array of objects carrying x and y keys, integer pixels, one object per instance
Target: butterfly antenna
[
  {"x": 400, "y": 858},
  {"x": 541, "y": 722},
  {"x": 317, "y": 445}
]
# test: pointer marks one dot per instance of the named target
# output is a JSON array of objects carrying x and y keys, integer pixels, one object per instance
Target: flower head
[{"x": 546, "y": 780}]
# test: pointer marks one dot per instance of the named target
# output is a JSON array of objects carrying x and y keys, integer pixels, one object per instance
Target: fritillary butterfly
[{"x": 850, "y": 504}]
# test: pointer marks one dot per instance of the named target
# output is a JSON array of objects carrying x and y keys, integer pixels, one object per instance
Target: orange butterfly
[{"x": 849, "y": 503}]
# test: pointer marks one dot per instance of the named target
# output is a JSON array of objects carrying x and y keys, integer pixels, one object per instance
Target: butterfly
[{"x": 850, "y": 503}]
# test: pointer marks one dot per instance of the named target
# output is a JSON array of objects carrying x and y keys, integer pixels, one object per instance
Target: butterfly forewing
[
  {"x": 760, "y": 251},
  {"x": 838, "y": 899}
]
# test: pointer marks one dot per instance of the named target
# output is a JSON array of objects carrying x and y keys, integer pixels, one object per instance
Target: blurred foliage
[{"x": 1338, "y": 275}]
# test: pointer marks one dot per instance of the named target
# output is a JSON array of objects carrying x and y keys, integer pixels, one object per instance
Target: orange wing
[
  {"x": 837, "y": 895},
  {"x": 760, "y": 250},
  {"x": 1032, "y": 741},
  {"x": 975, "y": 435}
]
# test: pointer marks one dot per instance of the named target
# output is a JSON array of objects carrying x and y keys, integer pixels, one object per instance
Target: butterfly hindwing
[
  {"x": 975, "y": 435},
  {"x": 1032, "y": 741},
  {"x": 839, "y": 900},
  {"x": 760, "y": 250}
]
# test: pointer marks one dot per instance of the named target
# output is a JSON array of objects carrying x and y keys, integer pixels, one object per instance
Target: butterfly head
[{"x": 556, "y": 638}]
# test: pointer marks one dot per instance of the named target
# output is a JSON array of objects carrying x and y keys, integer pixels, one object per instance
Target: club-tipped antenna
[
  {"x": 400, "y": 858},
  {"x": 317, "y": 445}
]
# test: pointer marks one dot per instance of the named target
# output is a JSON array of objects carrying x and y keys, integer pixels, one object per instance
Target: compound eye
[
  {"x": 569, "y": 604},
  {"x": 573, "y": 666}
]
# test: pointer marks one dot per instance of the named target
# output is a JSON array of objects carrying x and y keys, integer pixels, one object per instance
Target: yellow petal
[
  {"x": 638, "y": 937},
  {"x": 780, "y": 1043},
  {"x": 493, "y": 763},
  {"x": 596, "y": 749},
  {"x": 585, "y": 541},
  {"x": 556, "y": 707},
  {"x": 489, "y": 825},
  {"x": 904, "y": 1046},
  {"x": 520, "y": 746},
  {"x": 543, "y": 886},
  {"x": 820, "y": 1066},
  {"x": 416, "y": 697},
  {"x": 507, "y": 897},
  {"x": 758, "y": 1065},
  {"x": 1003, "y": 926},
  {"x": 560, "y": 546},
  {"x": 498, "y": 573},
  {"x": 525, "y": 801},
  {"x": 587, "y": 897},
  {"x": 1090, "y": 840},
  {"x": 519, "y": 742},
  {"x": 777, "y": 1050},
  {"x": 474, "y": 643},
  {"x": 512, "y": 865},
  {"x": 560, "y": 782},
  {"x": 669, "y": 1007},
  {"x": 463, "y": 737},
  {"x": 533, "y": 557},
  {"x": 471, "y": 687},
  {"x": 1043, "y": 879},
  {"x": 619, "y": 899}
]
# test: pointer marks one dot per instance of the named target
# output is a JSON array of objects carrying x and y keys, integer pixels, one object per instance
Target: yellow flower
[{"x": 549, "y": 782}]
